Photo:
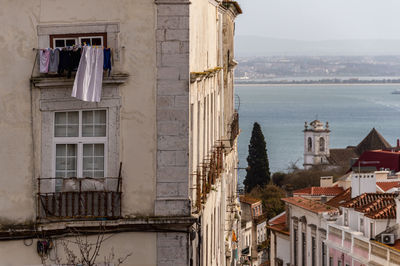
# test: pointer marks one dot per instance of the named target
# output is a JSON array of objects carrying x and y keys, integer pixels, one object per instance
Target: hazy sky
[{"x": 320, "y": 19}]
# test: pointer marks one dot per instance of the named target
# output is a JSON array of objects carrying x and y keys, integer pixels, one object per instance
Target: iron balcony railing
[
  {"x": 208, "y": 173},
  {"x": 234, "y": 128},
  {"x": 85, "y": 198}
]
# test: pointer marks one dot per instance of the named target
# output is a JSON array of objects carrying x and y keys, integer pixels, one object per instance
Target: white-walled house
[
  {"x": 279, "y": 239},
  {"x": 254, "y": 220},
  {"x": 307, "y": 221}
]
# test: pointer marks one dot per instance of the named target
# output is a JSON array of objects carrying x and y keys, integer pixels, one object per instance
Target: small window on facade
[
  {"x": 295, "y": 244},
  {"x": 67, "y": 40},
  {"x": 372, "y": 230},
  {"x": 362, "y": 225},
  {"x": 309, "y": 144},
  {"x": 313, "y": 251},
  {"x": 303, "y": 249},
  {"x": 321, "y": 144}
]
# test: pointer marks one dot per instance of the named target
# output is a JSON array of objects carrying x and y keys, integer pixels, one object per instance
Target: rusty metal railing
[
  {"x": 234, "y": 128},
  {"x": 208, "y": 173},
  {"x": 84, "y": 198}
]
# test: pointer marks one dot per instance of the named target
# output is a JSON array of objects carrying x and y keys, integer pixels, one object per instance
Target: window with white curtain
[{"x": 80, "y": 139}]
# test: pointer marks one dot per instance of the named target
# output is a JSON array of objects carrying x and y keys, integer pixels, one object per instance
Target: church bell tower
[{"x": 316, "y": 143}]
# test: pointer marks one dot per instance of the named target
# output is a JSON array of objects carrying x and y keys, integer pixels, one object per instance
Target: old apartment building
[{"x": 151, "y": 166}]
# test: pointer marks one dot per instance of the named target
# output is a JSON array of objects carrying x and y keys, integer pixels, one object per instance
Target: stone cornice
[
  {"x": 101, "y": 26},
  {"x": 44, "y": 82},
  {"x": 61, "y": 228},
  {"x": 197, "y": 76},
  {"x": 172, "y": 2}
]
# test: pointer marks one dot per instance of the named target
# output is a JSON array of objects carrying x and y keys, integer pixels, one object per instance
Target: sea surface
[{"x": 281, "y": 110}]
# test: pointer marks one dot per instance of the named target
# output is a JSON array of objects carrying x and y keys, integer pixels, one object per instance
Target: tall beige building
[{"x": 151, "y": 167}]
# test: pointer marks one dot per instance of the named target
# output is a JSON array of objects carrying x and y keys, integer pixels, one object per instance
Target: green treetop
[{"x": 258, "y": 166}]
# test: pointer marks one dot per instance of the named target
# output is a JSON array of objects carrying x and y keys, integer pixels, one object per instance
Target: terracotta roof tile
[
  {"x": 319, "y": 191},
  {"x": 387, "y": 212},
  {"x": 279, "y": 219},
  {"x": 310, "y": 205},
  {"x": 375, "y": 205},
  {"x": 278, "y": 223},
  {"x": 339, "y": 199},
  {"x": 248, "y": 199},
  {"x": 280, "y": 228},
  {"x": 385, "y": 186},
  {"x": 306, "y": 190},
  {"x": 328, "y": 191},
  {"x": 365, "y": 199}
]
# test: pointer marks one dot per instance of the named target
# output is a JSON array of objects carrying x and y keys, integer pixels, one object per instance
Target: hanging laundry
[
  {"x": 107, "y": 60},
  {"x": 89, "y": 77},
  {"x": 69, "y": 59},
  {"x": 76, "y": 58},
  {"x": 44, "y": 59},
  {"x": 65, "y": 62},
  {"x": 54, "y": 60}
]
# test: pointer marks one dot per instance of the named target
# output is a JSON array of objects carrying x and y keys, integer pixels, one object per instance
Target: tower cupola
[{"x": 316, "y": 143}]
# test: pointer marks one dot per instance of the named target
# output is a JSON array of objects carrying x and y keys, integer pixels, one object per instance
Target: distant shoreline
[
  {"x": 311, "y": 84},
  {"x": 320, "y": 82}
]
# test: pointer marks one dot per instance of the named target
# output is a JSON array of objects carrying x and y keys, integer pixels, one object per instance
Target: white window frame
[
  {"x": 80, "y": 141},
  {"x": 91, "y": 37},
  {"x": 65, "y": 39},
  {"x": 77, "y": 40}
]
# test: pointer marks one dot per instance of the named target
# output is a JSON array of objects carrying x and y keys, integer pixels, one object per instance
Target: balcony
[
  {"x": 79, "y": 198},
  {"x": 208, "y": 173},
  {"x": 234, "y": 128}
]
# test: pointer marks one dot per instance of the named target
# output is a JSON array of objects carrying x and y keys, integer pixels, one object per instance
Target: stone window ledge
[{"x": 47, "y": 82}]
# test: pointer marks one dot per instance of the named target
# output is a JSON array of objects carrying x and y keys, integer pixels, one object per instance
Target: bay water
[{"x": 281, "y": 110}]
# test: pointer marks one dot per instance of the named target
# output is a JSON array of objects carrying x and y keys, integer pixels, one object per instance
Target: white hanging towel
[{"x": 89, "y": 76}]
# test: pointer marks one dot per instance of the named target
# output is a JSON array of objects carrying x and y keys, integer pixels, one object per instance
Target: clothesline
[
  {"x": 73, "y": 46},
  {"x": 57, "y": 60},
  {"x": 89, "y": 62}
]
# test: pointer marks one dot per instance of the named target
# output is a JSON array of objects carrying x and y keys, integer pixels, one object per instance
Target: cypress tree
[{"x": 257, "y": 160}]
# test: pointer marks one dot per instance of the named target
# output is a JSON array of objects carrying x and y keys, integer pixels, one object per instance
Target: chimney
[
  {"x": 398, "y": 143},
  {"x": 326, "y": 181},
  {"x": 287, "y": 210},
  {"x": 362, "y": 183},
  {"x": 289, "y": 190}
]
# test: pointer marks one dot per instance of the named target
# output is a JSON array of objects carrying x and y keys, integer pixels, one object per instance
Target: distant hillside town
[{"x": 326, "y": 69}]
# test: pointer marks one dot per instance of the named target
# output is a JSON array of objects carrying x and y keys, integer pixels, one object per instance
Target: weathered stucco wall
[
  {"x": 211, "y": 105},
  {"x": 203, "y": 35},
  {"x": 140, "y": 245},
  {"x": 137, "y": 142},
  {"x": 17, "y": 38}
]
